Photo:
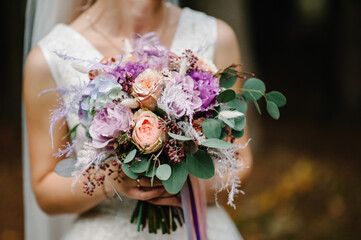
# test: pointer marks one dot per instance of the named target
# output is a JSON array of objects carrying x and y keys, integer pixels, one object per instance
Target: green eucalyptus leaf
[
  {"x": 273, "y": 110},
  {"x": 254, "y": 89},
  {"x": 237, "y": 134},
  {"x": 177, "y": 178},
  {"x": 151, "y": 171},
  {"x": 239, "y": 123},
  {"x": 257, "y": 106},
  {"x": 216, "y": 143},
  {"x": 179, "y": 137},
  {"x": 278, "y": 98},
  {"x": 239, "y": 105},
  {"x": 140, "y": 166},
  {"x": 126, "y": 170},
  {"x": 229, "y": 122},
  {"x": 211, "y": 128},
  {"x": 163, "y": 172},
  {"x": 130, "y": 156},
  {"x": 226, "y": 96},
  {"x": 200, "y": 164},
  {"x": 223, "y": 134},
  {"x": 228, "y": 78}
]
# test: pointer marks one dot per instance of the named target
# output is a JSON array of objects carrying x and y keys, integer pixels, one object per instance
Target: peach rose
[
  {"x": 147, "y": 88},
  {"x": 147, "y": 134}
]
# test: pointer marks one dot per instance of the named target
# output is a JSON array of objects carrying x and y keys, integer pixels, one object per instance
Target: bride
[{"x": 97, "y": 32}]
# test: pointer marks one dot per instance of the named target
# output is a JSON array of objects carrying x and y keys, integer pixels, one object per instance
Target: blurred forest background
[{"x": 306, "y": 178}]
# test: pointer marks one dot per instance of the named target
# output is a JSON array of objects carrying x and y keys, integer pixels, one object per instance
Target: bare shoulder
[
  {"x": 226, "y": 34},
  {"x": 37, "y": 78},
  {"x": 37, "y": 75},
  {"x": 227, "y": 49}
]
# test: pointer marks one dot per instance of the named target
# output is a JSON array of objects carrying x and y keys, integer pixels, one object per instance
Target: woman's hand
[{"x": 142, "y": 189}]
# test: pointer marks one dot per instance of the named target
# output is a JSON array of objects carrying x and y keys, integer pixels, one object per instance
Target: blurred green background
[{"x": 306, "y": 178}]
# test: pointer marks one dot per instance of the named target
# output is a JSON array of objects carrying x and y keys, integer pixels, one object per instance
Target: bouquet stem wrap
[{"x": 194, "y": 209}]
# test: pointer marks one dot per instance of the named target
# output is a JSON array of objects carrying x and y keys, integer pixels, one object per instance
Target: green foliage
[
  {"x": 212, "y": 128},
  {"x": 179, "y": 137},
  {"x": 223, "y": 134},
  {"x": 151, "y": 170},
  {"x": 163, "y": 172},
  {"x": 73, "y": 130},
  {"x": 278, "y": 98},
  {"x": 239, "y": 123},
  {"x": 130, "y": 156},
  {"x": 229, "y": 122},
  {"x": 200, "y": 164},
  {"x": 237, "y": 134},
  {"x": 254, "y": 89},
  {"x": 126, "y": 170},
  {"x": 177, "y": 178},
  {"x": 228, "y": 78},
  {"x": 272, "y": 110},
  {"x": 239, "y": 105},
  {"x": 226, "y": 96},
  {"x": 140, "y": 166},
  {"x": 257, "y": 106},
  {"x": 217, "y": 143}
]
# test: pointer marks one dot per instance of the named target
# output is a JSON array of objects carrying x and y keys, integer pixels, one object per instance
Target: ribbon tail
[{"x": 194, "y": 209}]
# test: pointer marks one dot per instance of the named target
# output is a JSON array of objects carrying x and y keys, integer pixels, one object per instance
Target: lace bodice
[{"x": 110, "y": 220}]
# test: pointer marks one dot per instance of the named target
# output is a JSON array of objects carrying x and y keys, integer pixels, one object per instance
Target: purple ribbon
[{"x": 189, "y": 205}]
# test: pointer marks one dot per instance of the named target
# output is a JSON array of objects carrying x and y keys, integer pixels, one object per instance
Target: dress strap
[{"x": 196, "y": 31}]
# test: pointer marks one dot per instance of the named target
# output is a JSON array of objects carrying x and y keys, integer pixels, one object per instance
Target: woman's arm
[
  {"x": 53, "y": 192},
  {"x": 227, "y": 53}
]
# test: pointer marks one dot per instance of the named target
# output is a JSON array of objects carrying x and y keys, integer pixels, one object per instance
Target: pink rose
[
  {"x": 147, "y": 134},
  {"x": 108, "y": 123},
  {"x": 147, "y": 88}
]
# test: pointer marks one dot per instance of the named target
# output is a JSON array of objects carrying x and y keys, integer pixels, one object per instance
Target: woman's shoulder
[
  {"x": 37, "y": 76},
  {"x": 227, "y": 50}
]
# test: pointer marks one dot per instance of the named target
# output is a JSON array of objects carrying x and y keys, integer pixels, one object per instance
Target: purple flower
[
  {"x": 179, "y": 98},
  {"x": 109, "y": 123},
  {"x": 208, "y": 86},
  {"x": 133, "y": 68}
]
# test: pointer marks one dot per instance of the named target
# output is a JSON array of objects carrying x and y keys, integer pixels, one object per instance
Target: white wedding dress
[{"x": 110, "y": 219}]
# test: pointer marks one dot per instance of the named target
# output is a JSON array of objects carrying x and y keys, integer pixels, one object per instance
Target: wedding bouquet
[{"x": 155, "y": 114}]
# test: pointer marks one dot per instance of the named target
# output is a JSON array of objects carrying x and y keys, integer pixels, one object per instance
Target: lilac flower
[
  {"x": 179, "y": 98},
  {"x": 208, "y": 87},
  {"x": 133, "y": 68},
  {"x": 109, "y": 123}
]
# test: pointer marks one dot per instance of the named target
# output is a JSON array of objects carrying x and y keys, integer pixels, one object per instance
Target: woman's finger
[
  {"x": 139, "y": 194},
  {"x": 145, "y": 182},
  {"x": 169, "y": 201}
]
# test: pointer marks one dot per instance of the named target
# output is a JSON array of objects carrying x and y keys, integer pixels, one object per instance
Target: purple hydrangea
[
  {"x": 208, "y": 87},
  {"x": 133, "y": 68}
]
